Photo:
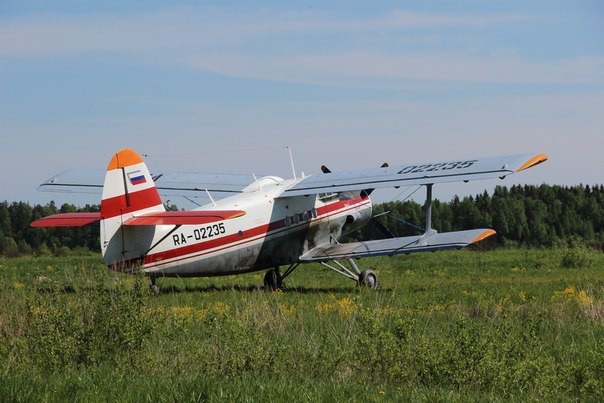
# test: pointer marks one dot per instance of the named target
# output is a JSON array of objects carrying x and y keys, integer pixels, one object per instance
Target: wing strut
[
  {"x": 428, "y": 210},
  {"x": 343, "y": 270}
]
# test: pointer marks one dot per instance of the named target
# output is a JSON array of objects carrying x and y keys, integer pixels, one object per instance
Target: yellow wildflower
[
  {"x": 566, "y": 295},
  {"x": 39, "y": 311},
  {"x": 200, "y": 314},
  {"x": 583, "y": 298},
  {"x": 181, "y": 312},
  {"x": 569, "y": 291},
  {"x": 287, "y": 310},
  {"x": 346, "y": 307},
  {"x": 522, "y": 296},
  {"x": 220, "y": 308}
]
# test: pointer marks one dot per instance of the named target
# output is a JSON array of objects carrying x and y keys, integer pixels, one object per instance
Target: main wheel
[
  {"x": 369, "y": 279},
  {"x": 273, "y": 280}
]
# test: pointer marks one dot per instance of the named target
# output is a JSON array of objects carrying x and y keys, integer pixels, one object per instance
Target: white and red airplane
[{"x": 263, "y": 224}]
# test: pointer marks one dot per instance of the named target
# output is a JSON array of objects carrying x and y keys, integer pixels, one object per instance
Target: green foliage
[
  {"x": 8, "y": 246},
  {"x": 17, "y": 238},
  {"x": 576, "y": 255},
  {"x": 500, "y": 355},
  {"x": 499, "y": 325},
  {"x": 105, "y": 326},
  {"x": 538, "y": 216}
]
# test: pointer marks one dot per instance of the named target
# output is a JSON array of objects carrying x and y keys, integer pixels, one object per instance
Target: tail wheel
[
  {"x": 369, "y": 279},
  {"x": 273, "y": 280},
  {"x": 153, "y": 287}
]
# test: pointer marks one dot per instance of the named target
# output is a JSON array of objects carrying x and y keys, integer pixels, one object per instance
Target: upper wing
[
  {"x": 415, "y": 174},
  {"x": 187, "y": 184},
  {"x": 76, "y": 181},
  {"x": 395, "y": 246}
]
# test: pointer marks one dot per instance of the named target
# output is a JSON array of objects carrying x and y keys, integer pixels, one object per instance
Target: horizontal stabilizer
[
  {"x": 155, "y": 218},
  {"x": 395, "y": 246},
  {"x": 183, "y": 217},
  {"x": 67, "y": 220}
]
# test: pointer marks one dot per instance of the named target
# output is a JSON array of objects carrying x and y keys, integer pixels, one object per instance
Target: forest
[{"x": 531, "y": 216}]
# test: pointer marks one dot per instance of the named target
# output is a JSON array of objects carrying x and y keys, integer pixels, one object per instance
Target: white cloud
[
  {"x": 353, "y": 67},
  {"x": 182, "y": 28},
  {"x": 238, "y": 43}
]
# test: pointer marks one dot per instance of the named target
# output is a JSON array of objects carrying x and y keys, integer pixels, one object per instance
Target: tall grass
[{"x": 499, "y": 325}]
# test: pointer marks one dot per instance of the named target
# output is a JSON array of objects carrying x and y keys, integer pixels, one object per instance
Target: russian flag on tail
[{"x": 137, "y": 178}]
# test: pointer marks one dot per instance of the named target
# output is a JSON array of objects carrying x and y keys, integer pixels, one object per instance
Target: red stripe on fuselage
[
  {"x": 229, "y": 241},
  {"x": 116, "y": 206}
]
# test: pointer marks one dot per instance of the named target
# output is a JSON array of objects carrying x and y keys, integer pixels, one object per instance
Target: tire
[
  {"x": 369, "y": 279},
  {"x": 272, "y": 280}
]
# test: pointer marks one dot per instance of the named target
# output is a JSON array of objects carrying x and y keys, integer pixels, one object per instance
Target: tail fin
[{"x": 128, "y": 189}]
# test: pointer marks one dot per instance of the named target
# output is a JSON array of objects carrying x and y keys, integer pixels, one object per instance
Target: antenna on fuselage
[
  {"x": 291, "y": 160},
  {"x": 210, "y": 196}
]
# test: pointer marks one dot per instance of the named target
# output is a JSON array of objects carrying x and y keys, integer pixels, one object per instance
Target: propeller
[{"x": 325, "y": 170}]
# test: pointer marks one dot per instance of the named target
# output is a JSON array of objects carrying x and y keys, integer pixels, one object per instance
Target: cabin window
[{"x": 324, "y": 197}]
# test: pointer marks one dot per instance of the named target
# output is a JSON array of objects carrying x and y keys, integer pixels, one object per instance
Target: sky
[{"x": 226, "y": 86}]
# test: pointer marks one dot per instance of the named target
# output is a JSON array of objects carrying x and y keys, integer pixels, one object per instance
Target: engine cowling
[{"x": 357, "y": 218}]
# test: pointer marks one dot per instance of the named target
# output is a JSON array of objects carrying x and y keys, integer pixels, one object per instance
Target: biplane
[{"x": 256, "y": 224}]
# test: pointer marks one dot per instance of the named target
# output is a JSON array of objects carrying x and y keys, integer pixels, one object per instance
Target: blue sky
[{"x": 224, "y": 86}]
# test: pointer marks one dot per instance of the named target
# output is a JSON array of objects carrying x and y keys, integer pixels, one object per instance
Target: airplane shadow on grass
[
  {"x": 186, "y": 289},
  {"x": 254, "y": 288}
]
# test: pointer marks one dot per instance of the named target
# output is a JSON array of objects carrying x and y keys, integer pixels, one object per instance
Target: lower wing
[{"x": 395, "y": 246}]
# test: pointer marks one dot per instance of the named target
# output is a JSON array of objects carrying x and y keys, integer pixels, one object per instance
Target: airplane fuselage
[{"x": 273, "y": 232}]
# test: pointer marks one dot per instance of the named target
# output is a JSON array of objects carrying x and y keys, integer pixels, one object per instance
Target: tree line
[
  {"x": 529, "y": 215},
  {"x": 535, "y": 216},
  {"x": 18, "y": 238}
]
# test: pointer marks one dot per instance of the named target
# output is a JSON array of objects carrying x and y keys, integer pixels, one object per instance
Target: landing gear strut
[
  {"x": 273, "y": 279},
  {"x": 366, "y": 278}
]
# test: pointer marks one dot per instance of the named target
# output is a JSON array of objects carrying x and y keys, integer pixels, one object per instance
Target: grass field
[{"x": 466, "y": 325}]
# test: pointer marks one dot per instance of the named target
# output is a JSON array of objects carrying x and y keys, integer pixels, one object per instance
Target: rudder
[{"x": 128, "y": 189}]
